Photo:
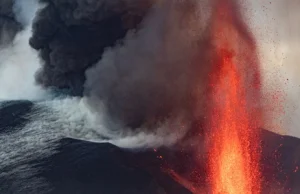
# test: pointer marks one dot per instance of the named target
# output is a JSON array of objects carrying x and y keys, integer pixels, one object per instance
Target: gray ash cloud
[
  {"x": 136, "y": 61},
  {"x": 72, "y": 35},
  {"x": 158, "y": 74}
]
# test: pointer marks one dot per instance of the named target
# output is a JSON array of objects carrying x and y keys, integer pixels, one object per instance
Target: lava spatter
[{"x": 234, "y": 118}]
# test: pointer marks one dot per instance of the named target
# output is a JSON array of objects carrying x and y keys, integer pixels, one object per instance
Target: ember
[
  {"x": 234, "y": 119},
  {"x": 234, "y": 109},
  {"x": 233, "y": 164}
]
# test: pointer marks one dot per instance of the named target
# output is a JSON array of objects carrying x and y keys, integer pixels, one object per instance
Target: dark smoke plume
[
  {"x": 71, "y": 36},
  {"x": 157, "y": 74},
  {"x": 147, "y": 61},
  {"x": 142, "y": 65}
]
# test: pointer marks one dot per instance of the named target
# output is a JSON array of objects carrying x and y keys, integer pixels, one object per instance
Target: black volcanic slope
[
  {"x": 77, "y": 167},
  {"x": 13, "y": 115},
  {"x": 81, "y": 167}
]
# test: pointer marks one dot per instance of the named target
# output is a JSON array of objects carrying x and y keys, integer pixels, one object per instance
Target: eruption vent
[
  {"x": 234, "y": 106},
  {"x": 233, "y": 163}
]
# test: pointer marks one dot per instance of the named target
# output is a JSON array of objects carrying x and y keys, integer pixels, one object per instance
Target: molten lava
[
  {"x": 233, "y": 108},
  {"x": 233, "y": 163},
  {"x": 233, "y": 123}
]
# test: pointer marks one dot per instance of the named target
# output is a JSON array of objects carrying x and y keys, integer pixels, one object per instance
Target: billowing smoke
[
  {"x": 72, "y": 35},
  {"x": 150, "y": 76},
  {"x": 140, "y": 66},
  {"x": 144, "y": 59},
  {"x": 146, "y": 62}
]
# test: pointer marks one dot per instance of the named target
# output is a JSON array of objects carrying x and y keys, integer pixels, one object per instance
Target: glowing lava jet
[
  {"x": 233, "y": 108},
  {"x": 234, "y": 150},
  {"x": 233, "y": 161}
]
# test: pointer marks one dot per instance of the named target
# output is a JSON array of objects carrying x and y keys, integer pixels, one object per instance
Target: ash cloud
[
  {"x": 156, "y": 76},
  {"x": 71, "y": 36},
  {"x": 141, "y": 64},
  {"x": 134, "y": 62}
]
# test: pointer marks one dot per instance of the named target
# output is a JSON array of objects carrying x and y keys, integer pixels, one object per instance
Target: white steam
[{"x": 18, "y": 61}]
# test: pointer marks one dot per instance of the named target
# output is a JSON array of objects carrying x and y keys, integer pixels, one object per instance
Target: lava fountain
[
  {"x": 233, "y": 109},
  {"x": 233, "y": 162},
  {"x": 234, "y": 117}
]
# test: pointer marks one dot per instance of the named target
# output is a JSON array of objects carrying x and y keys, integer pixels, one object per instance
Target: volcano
[
  {"x": 83, "y": 167},
  {"x": 145, "y": 97}
]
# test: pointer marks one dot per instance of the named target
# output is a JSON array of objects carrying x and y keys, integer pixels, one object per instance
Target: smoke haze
[
  {"x": 72, "y": 35},
  {"x": 140, "y": 67},
  {"x": 149, "y": 77}
]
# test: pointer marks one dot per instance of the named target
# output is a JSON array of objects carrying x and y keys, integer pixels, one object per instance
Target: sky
[{"x": 276, "y": 27}]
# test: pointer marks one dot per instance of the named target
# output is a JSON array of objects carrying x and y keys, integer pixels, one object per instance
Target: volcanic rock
[
  {"x": 75, "y": 166},
  {"x": 83, "y": 167}
]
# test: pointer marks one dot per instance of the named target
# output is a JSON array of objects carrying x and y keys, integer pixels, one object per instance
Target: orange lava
[
  {"x": 234, "y": 119},
  {"x": 233, "y": 108},
  {"x": 233, "y": 163}
]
